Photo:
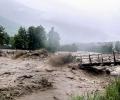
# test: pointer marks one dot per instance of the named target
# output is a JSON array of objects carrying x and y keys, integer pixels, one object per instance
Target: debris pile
[
  {"x": 58, "y": 60},
  {"x": 31, "y": 54},
  {"x": 36, "y": 54}
]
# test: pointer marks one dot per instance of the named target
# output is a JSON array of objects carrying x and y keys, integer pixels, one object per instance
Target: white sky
[
  {"x": 100, "y": 7},
  {"x": 98, "y": 18}
]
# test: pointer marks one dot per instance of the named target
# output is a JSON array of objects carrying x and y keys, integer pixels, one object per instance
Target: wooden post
[
  {"x": 101, "y": 59},
  {"x": 90, "y": 59},
  {"x": 114, "y": 58},
  {"x": 80, "y": 60},
  {"x": 109, "y": 59},
  {"x": 98, "y": 58}
]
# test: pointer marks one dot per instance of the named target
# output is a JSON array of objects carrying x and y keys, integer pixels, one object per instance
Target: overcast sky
[{"x": 80, "y": 20}]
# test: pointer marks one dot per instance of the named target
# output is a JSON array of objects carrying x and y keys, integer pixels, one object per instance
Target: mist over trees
[
  {"x": 117, "y": 46},
  {"x": 103, "y": 47},
  {"x": 35, "y": 37},
  {"x": 31, "y": 38},
  {"x": 53, "y": 40},
  {"x": 69, "y": 47}
]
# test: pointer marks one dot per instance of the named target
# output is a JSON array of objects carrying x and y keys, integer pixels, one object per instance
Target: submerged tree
[{"x": 53, "y": 40}]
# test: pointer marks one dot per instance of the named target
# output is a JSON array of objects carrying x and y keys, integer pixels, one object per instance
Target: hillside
[
  {"x": 14, "y": 14},
  {"x": 9, "y": 25},
  {"x": 19, "y": 13}
]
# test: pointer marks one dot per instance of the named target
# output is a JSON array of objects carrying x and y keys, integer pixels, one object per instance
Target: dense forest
[{"x": 33, "y": 38}]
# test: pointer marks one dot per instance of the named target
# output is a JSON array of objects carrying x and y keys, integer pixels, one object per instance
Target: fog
[{"x": 75, "y": 20}]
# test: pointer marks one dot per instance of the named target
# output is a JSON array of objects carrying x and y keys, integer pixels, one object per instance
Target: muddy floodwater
[{"x": 36, "y": 79}]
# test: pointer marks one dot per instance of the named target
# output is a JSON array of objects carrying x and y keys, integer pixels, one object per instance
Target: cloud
[{"x": 85, "y": 20}]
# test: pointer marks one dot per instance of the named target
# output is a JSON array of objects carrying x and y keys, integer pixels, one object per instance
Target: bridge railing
[{"x": 114, "y": 58}]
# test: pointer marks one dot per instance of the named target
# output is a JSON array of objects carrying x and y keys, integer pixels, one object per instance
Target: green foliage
[
  {"x": 107, "y": 48},
  {"x": 20, "y": 40},
  {"x": 112, "y": 92},
  {"x": 36, "y": 37},
  {"x": 1, "y": 35},
  {"x": 117, "y": 46},
  {"x": 53, "y": 40},
  {"x": 4, "y": 37},
  {"x": 78, "y": 98},
  {"x": 31, "y": 39},
  {"x": 12, "y": 42},
  {"x": 95, "y": 96}
]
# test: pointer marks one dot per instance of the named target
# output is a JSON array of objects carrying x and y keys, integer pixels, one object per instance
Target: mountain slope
[
  {"x": 19, "y": 13},
  {"x": 10, "y": 26}
]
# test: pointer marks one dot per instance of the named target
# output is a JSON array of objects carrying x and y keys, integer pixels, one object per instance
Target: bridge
[{"x": 98, "y": 63}]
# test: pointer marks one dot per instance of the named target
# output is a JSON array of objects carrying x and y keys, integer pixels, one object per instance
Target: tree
[
  {"x": 21, "y": 40},
  {"x": 53, "y": 40},
  {"x": 36, "y": 37},
  {"x": 107, "y": 47},
  {"x": 40, "y": 37},
  {"x": 4, "y": 37},
  {"x": 117, "y": 46},
  {"x": 12, "y": 42}
]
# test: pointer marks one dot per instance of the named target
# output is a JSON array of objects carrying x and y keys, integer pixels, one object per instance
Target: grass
[
  {"x": 95, "y": 96},
  {"x": 112, "y": 92}
]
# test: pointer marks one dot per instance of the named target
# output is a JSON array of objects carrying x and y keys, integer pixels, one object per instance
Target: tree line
[
  {"x": 31, "y": 38},
  {"x": 102, "y": 47}
]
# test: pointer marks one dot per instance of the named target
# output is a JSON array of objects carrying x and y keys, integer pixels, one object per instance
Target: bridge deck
[{"x": 100, "y": 59}]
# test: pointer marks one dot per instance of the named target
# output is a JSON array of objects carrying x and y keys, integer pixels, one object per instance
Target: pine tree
[
  {"x": 4, "y": 37},
  {"x": 21, "y": 39}
]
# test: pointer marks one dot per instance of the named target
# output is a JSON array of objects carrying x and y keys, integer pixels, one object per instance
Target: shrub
[{"x": 58, "y": 60}]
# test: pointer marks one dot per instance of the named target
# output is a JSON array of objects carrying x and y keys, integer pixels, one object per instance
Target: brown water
[{"x": 66, "y": 82}]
